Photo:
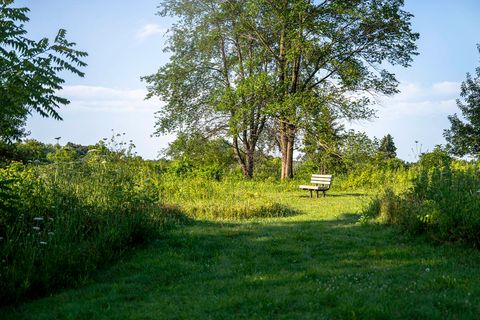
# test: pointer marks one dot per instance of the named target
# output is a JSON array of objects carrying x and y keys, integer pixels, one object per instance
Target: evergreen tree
[
  {"x": 464, "y": 136},
  {"x": 387, "y": 147}
]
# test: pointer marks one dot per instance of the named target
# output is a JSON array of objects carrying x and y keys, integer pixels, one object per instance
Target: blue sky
[{"x": 125, "y": 41}]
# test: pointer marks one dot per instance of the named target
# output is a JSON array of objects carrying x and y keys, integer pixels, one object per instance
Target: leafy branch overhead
[{"x": 29, "y": 78}]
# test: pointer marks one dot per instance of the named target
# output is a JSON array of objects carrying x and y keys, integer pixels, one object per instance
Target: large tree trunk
[
  {"x": 249, "y": 164},
  {"x": 245, "y": 154},
  {"x": 287, "y": 141}
]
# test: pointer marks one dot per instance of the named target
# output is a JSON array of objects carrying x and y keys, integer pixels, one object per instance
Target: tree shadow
[
  {"x": 354, "y": 194},
  {"x": 329, "y": 194}
]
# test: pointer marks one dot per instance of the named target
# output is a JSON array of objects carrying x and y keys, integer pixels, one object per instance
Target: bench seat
[
  {"x": 319, "y": 188},
  {"x": 321, "y": 183}
]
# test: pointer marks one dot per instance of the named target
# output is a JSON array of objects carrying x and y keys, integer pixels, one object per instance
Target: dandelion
[{"x": 427, "y": 269}]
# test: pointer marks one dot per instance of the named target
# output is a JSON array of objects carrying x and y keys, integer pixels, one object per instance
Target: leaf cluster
[
  {"x": 29, "y": 71},
  {"x": 464, "y": 134}
]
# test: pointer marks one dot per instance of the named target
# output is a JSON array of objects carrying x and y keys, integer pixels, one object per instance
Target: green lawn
[{"x": 318, "y": 264}]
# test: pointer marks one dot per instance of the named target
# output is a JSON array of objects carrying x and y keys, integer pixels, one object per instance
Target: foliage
[
  {"x": 464, "y": 136},
  {"x": 197, "y": 151},
  {"x": 321, "y": 142},
  {"x": 59, "y": 222},
  {"x": 387, "y": 149},
  {"x": 29, "y": 79},
  {"x": 443, "y": 202},
  {"x": 438, "y": 159},
  {"x": 357, "y": 149},
  {"x": 32, "y": 150}
]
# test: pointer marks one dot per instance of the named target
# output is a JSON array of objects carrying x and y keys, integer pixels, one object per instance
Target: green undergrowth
[
  {"x": 59, "y": 222},
  {"x": 443, "y": 203}
]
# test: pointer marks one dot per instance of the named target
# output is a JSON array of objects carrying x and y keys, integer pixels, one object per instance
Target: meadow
[{"x": 149, "y": 244}]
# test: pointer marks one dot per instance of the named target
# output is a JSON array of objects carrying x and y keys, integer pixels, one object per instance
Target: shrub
[{"x": 443, "y": 202}]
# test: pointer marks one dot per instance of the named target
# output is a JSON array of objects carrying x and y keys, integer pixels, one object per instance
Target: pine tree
[{"x": 387, "y": 147}]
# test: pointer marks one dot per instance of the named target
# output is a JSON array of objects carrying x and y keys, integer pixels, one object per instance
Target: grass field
[{"x": 318, "y": 262}]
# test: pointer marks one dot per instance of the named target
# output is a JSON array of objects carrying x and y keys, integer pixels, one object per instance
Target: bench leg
[
  {"x": 317, "y": 194},
  {"x": 324, "y": 194},
  {"x": 310, "y": 193}
]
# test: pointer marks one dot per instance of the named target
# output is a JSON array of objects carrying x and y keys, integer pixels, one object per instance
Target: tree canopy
[
  {"x": 464, "y": 134},
  {"x": 29, "y": 72}
]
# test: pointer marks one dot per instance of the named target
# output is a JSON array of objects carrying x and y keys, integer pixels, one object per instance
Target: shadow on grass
[
  {"x": 354, "y": 194},
  {"x": 329, "y": 194},
  {"x": 283, "y": 269}
]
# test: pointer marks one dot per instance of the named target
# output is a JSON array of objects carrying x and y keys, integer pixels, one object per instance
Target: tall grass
[
  {"x": 443, "y": 202},
  {"x": 59, "y": 222},
  {"x": 232, "y": 198}
]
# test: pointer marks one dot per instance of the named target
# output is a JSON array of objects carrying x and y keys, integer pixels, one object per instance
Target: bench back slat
[{"x": 321, "y": 179}]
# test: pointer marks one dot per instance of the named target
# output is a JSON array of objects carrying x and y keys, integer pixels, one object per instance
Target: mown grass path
[{"x": 321, "y": 264}]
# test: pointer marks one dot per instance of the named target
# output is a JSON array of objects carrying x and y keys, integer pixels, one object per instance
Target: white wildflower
[
  {"x": 38, "y": 219},
  {"x": 36, "y": 228},
  {"x": 43, "y": 243},
  {"x": 427, "y": 269}
]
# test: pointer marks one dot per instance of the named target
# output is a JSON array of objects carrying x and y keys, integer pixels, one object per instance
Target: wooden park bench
[{"x": 322, "y": 182}]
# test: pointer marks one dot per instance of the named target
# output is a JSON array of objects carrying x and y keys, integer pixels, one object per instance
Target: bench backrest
[{"x": 323, "y": 179}]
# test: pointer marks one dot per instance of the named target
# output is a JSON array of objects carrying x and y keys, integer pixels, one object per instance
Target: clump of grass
[{"x": 230, "y": 199}]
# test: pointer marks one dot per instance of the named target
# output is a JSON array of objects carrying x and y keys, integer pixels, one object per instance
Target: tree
[
  {"x": 463, "y": 137},
  {"x": 322, "y": 141},
  {"x": 329, "y": 53},
  {"x": 387, "y": 147},
  {"x": 200, "y": 150},
  {"x": 29, "y": 70},
  {"x": 357, "y": 149},
  {"x": 215, "y": 82},
  {"x": 239, "y": 64}
]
